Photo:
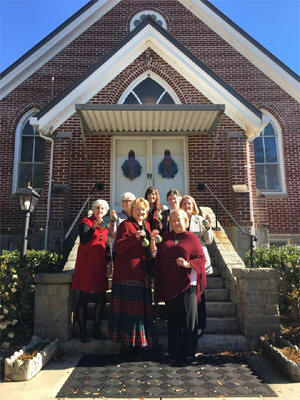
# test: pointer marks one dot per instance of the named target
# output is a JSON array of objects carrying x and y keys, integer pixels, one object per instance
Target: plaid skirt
[{"x": 131, "y": 317}]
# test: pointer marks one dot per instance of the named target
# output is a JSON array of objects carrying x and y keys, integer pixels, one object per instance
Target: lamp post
[{"x": 28, "y": 199}]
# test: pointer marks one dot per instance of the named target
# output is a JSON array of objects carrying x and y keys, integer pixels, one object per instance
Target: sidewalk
[{"x": 47, "y": 383}]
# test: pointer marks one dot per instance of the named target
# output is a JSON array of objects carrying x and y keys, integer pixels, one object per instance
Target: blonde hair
[
  {"x": 140, "y": 201},
  {"x": 180, "y": 213},
  {"x": 195, "y": 208},
  {"x": 100, "y": 201}
]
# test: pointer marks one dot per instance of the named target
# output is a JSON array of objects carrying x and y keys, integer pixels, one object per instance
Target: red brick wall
[{"x": 70, "y": 165}]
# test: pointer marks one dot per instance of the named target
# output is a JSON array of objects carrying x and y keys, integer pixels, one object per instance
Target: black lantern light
[{"x": 28, "y": 199}]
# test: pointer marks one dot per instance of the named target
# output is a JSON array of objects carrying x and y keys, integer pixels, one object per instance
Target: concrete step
[
  {"x": 222, "y": 325},
  {"x": 213, "y": 325},
  {"x": 215, "y": 343},
  {"x": 220, "y": 309},
  {"x": 216, "y": 294},
  {"x": 208, "y": 343},
  {"x": 214, "y": 282}
]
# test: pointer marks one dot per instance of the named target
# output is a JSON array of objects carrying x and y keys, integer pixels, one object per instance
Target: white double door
[{"x": 144, "y": 163}]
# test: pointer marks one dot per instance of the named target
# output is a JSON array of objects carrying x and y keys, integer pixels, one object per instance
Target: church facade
[{"x": 134, "y": 94}]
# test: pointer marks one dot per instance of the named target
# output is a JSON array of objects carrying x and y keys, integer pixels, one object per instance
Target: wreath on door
[
  {"x": 131, "y": 167},
  {"x": 167, "y": 167}
]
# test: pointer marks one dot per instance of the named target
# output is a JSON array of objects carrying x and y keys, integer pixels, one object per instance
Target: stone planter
[
  {"x": 18, "y": 370},
  {"x": 289, "y": 368}
]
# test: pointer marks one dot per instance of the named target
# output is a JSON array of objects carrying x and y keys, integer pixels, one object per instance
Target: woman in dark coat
[
  {"x": 92, "y": 267},
  {"x": 179, "y": 280},
  {"x": 154, "y": 215},
  {"x": 131, "y": 319}
]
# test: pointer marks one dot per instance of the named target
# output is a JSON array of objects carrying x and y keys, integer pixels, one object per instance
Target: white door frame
[{"x": 148, "y": 139}]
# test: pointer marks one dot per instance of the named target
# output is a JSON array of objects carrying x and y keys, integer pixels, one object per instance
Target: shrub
[
  {"x": 286, "y": 260},
  {"x": 17, "y": 292}
]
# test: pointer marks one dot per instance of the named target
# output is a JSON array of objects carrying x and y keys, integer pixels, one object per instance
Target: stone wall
[
  {"x": 257, "y": 301},
  {"x": 52, "y": 306},
  {"x": 253, "y": 290}
]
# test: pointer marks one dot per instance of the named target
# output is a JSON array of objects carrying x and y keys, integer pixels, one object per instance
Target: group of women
[{"x": 152, "y": 244}]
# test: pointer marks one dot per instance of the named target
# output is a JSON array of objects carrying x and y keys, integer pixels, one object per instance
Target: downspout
[
  {"x": 35, "y": 124},
  {"x": 252, "y": 228},
  {"x": 49, "y": 188}
]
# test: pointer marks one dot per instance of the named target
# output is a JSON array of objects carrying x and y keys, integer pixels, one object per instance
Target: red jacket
[
  {"x": 91, "y": 262},
  {"x": 130, "y": 261},
  {"x": 171, "y": 279}
]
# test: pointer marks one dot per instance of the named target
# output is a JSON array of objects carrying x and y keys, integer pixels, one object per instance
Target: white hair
[
  {"x": 128, "y": 195},
  {"x": 100, "y": 201}
]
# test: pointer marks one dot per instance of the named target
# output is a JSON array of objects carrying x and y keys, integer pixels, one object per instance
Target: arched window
[
  {"x": 268, "y": 159},
  {"x": 29, "y": 158},
  {"x": 148, "y": 91}
]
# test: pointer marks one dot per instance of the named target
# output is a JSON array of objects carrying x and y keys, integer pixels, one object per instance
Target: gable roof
[
  {"x": 150, "y": 35},
  {"x": 30, "y": 62}
]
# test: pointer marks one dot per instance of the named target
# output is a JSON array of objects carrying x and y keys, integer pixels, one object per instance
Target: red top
[
  {"x": 130, "y": 262},
  {"x": 90, "y": 268},
  {"x": 171, "y": 279}
]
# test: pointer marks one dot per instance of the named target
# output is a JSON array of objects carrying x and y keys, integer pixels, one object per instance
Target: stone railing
[
  {"x": 53, "y": 305},
  {"x": 257, "y": 301},
  {"x": 253, "y": 290}
]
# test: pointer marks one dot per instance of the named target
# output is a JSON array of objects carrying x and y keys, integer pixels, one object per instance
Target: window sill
[{"x": 275, "y": 195}]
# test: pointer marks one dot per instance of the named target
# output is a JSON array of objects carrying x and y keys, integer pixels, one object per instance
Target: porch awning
[{"x": 141, "y": 118}]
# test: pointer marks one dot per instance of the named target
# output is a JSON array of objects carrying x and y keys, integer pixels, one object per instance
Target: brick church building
[{"x": 135, "y": 81}]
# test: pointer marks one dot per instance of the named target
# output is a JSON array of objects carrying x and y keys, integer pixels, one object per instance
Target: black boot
[
  {"x": 98, "y": 316},
  {"x": 81, "y": 315}
]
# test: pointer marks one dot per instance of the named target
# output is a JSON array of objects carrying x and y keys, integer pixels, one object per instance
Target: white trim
[
  {"x": 149, "y": 36},
  {"x": 148, "y": 12},
  {"x": 18, "y": 144},
  {"x": 257, "y": 57},
  {"x": 53, "y": 46},
  {"x": 156, "y": 78},
  {"x": 278, "y": 134},
  {"x": 46, "y": 52}
]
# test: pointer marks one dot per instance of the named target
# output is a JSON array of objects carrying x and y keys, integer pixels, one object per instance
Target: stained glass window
[{"x": 149, "y": 92}]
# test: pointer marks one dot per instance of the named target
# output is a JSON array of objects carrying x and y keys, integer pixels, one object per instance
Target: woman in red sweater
[
  {"x": 92, "y": 267},
  {"x": 179, "y": 280},
  {"x": 131, "y": 320}
]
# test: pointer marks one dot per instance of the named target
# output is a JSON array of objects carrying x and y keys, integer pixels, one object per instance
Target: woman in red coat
[
  {"x": 131, "y": 320},
  {"x": 179, "y": 280},
  {"x": 91, "y": 269}
]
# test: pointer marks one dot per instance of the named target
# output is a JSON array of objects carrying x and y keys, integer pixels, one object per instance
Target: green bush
[
  {"x": 286, "y": 259},
  {"x": 17, "y": 292}
]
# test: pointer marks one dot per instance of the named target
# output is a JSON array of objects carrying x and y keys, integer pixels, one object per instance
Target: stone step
[
  {"x": 213, "y": 325},
  {"x": 216, "y": 294},
  {"x": 214, "y": 282},
  {"x": 213, "y": 308},
  {"x": 208, "y": 343},
  {"x": 220, "y": 309}
]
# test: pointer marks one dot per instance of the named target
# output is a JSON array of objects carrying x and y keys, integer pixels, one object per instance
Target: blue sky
[{"x": 273, "y": 23}]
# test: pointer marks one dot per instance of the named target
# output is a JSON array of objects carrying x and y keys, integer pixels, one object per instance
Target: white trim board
[
  {"x": 65, "y": 36},
  {"x": 150, "y": 37}
]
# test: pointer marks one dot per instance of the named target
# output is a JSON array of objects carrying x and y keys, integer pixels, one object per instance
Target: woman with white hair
[
  {"x": 116, "y": 218},
  {"x": 92, "y": 268},
  {"x": 180, "y": 279}
]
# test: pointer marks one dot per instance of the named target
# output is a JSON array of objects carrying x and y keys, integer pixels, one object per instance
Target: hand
[
  {"x": 181, "y": 262},
  {"x": 140, "y": 233},
  {"x": 112, "y": 213},
  {"x": 154, "y": 233},
  {"x": 97, "y": 222}
]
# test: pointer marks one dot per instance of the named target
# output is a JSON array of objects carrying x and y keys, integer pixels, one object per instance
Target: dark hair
[
  {"x": 173, "y": 192},
  {"x": 157, "y": 204}
]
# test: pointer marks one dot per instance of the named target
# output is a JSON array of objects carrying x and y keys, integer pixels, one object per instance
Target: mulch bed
[{"x": 211, "y": 376}]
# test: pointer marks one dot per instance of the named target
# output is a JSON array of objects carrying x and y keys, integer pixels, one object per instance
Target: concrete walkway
[{"x": 47, "y": 383}]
